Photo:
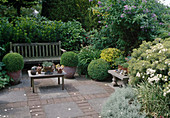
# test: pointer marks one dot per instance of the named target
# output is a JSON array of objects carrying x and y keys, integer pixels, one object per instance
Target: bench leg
[
  {"x": 63, "y": 83},
  {"x": 58, "y": 80},
  {"x": 114, "y": 81}
]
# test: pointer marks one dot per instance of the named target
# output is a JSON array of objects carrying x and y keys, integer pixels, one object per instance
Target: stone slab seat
[{"x": 38, "y": 52}]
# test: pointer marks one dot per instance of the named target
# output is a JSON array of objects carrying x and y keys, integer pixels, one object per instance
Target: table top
[
  {"x": 43, "y": 75},
  {"x": 113, "y": 72}
]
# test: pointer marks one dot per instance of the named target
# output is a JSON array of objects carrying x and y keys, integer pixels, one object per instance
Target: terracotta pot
[
  {"x": 70, "y": 71},
  {"x": 16, "y": 76},
  {"x": 59, "y": 70},
  {"x": 121, "y": 68}
]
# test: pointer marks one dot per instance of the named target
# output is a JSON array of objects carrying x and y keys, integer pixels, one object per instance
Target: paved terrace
[{"x": 82, "y": 98}]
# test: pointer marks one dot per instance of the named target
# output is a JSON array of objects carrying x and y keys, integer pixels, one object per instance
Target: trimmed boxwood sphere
[
  {"x": 97, "y": 69},
  {"x": 13, "y": 62},
  {"x": 69, "y": 59}
]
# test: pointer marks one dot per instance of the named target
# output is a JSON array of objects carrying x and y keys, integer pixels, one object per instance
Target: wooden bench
[{"x": 38, "y": 52}]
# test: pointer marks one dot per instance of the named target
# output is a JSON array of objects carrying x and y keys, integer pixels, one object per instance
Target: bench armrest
[{"x": 63, "y": 50}]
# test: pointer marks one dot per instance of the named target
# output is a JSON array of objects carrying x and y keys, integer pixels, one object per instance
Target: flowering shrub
[
  {"x": 151, "y": 63},
  {"x": 132, "y": 21},
  {"x": 110, "y": 54}
]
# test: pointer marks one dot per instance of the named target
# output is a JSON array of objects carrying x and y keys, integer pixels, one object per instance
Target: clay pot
[
  {"x": 70, "y": 71},
  {"x": 16, "y": 76},
  {"x": 59, "y": 70},
  {"x": 39, "y": 70}
]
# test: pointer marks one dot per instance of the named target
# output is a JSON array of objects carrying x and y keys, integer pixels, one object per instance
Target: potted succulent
[
  {"x": 70, "y": 62},
  {"x": 48, "y": 67},
  {"x": 14, "y": 64}
]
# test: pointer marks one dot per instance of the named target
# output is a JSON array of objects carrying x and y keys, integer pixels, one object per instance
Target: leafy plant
[
  {"x": 153, "y": 101},
  {"x": 122, "y": 104},
  {"x": 110, "y": 54},
  {"x": 86, "y": 55},
  {"x": 47, "y": 64},
  {"x": 98, "y": 69},
  {"x": 129, "y": 22},
  {"x": 120, "y": 60},
  {"x": 4, "y": 78},
  {"x": 124, "y": 65},
  {"x": 69, "y": 59},
  {"x": 13, "y": 62},
  {"x": 150, "y": 63}
]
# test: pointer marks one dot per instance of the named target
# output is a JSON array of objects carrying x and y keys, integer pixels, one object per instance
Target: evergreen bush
[
  {"x": 110, "y": 55},
  {"x": 122, "y": 104},
  {"x": 86, "y": 55},
  {"x": 13, "y": 62},
  {"x": 69, "y": 59},
  {"x": 98, "y": 69}
]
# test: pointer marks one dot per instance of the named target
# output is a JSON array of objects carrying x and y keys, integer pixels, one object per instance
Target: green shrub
[
  {"x": 97, "y": 69},
  {"x": 69, "y": 59},
  {"x": 151, "y": 63},
  {"x": 86, "y": 55},
  {"x": 4, "y": 78},
  {"x": 154, "y": 103},
  {"x": 13, "y": 62},
  {"x": 122, "y": 104},
  {"x": 110, "y": 55}
]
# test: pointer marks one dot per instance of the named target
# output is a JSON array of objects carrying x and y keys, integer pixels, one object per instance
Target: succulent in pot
[
  {"x": 70, "y": 62},
  {"x": 14, "y": 64},
  {"x": 48, "y": 67}
]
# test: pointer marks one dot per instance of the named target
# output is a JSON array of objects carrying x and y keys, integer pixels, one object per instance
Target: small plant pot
[
  {"x": 70, "y": 71},
  {"x": 15, "y": 76},
  {"x": 33, "y": 72},
  {"x": 59, "y": 70}
]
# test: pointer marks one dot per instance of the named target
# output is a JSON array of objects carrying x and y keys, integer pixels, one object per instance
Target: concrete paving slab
[
  {"x": 90, "y": 89},
  {"x": 12, "y": 96},
  {"x": 54, "y": 91},
  {"x": 97, "y": 104},
  {"x": 62, "y": 110},
  {"x": 22, "y": 112}
]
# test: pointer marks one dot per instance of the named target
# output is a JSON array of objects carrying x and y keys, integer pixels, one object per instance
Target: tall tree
[{"x": 17, "y": 4}]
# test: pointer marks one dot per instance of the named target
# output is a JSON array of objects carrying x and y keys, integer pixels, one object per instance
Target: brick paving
[{"x": 82, "y": 98}]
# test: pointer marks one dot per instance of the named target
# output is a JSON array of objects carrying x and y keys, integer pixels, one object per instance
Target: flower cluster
[{"x": 151, "y": 63}]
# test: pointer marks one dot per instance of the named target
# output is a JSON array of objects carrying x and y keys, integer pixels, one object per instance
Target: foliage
[
  {"x": 69, "y": 59},
  {"x": 17, "y": 4},
  {"x": 122, "y": 104},
  {"x": 152, "y": 100},
  {"x": 120, "y": 60},
  {"x": 13, "y": 62},
  {"x": 29, "y": 29},
  {"x": 69, "y": 10},
  {"x": 129, "y": 22},
  {"x": 4, "y": 78},
  {"x": 151, "y": 63},
  {"x": 97, "y": 69},
  {"x": 110, "y": 54},
  {"x": 47, "y": 64},
  {"x": 86, "y": 55}
]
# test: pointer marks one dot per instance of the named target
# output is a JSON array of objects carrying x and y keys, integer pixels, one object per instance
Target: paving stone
[
  {"x": 47, "y": 92},
  {"x": 12, "y": 96},
  {"x": 22, "y": 112},
  {"x": 97, "y": 103},
  {"x": 90, "y": 89},
  {"x": 62, "y": 110}
]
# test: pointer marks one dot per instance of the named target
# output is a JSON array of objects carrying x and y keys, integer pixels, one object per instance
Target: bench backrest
[{"x": 33, "y": 50}]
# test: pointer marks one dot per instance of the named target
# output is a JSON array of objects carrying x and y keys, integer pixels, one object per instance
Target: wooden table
[
  {"x": 44, "y": 76},
  {"x": 118, "y": 77}
]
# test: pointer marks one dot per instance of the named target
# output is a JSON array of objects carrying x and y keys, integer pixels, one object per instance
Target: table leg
[
  {"x": 31, "y": 82},
  {"x": 58, "y": 80},
  {"x": 63, "y": 83},
  {"x": 32, "y": 85}
]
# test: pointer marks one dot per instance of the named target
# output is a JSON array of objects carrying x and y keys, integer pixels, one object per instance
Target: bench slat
[
  {"x": 46, "y": 50},
  {"x": 59, "y": 48},
  {"x": 22, "y": 51},
  {"x": 39, "y": 50},
  {"x": 18, "y": 49},
  {"x": 29, "y": 47},
  {"x": 15, "y": 48},
  {"x": 33, "y": 51},
  {"x": 50, "y": 49},
  {"x": 53, "y": 50},
  {"x": 26, "y": 51},
  {"x": 43, "y": 51},
  {"x": 28, "y": 44}
]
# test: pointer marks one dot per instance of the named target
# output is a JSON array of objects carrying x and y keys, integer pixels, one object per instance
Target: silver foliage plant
[{"x": 122, "y": 104}]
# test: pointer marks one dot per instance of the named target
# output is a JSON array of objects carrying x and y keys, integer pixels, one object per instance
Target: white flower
[{"x": 138, "y": 74}]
